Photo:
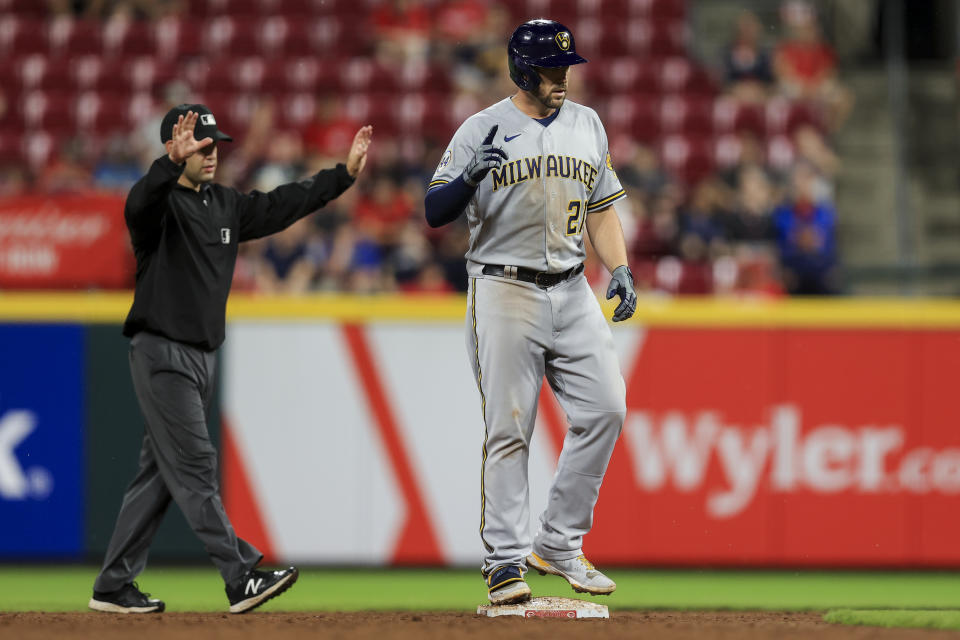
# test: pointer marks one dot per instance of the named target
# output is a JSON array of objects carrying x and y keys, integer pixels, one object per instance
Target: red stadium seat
[
  {"x": 362, "y": 74},
  {"x": 689, "y": 158},
  {"x": 217, "y": 34},
  {"x": 30, "y": 8},
  {"x": 424, "y": 77},
  {"x": 733, "y": 116},
  {"x": 11, "y": 146},
  {"x": 726, "y": 151},
  {"x": 175, "y": 37},
  {"x": 19, "y": 36},
  {"x": 245, "y": 37},
  {"x": 645, "y": 120},
  {"x": 233, "y": 7},
  {"x": 247, "y": 73},
  {"x": 147, "y": 72},
  {"x": 686, "y": 114},
  {"x": 294, "y": 8},
  {"x": 76, "y": 37},
  {"x": 780, "y": 153},
  {"x": 676, "y": 9},
  {"x": 140, "y": 39},
  {"x": 30, "y": 69},
  {"x": 38, "y": 147},
  {"x": 296, "y": 110}
]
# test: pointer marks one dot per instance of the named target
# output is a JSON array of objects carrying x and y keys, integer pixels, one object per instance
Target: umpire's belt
[{"x": 542, "y": 279}]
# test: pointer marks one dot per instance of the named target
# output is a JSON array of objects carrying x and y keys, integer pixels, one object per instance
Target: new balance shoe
[
  {"x": 579, "y": 572},
  {"x": 256, "y": 587},
  {"x": 126, "y": 599},
  {"x": 505, "y": 585}
]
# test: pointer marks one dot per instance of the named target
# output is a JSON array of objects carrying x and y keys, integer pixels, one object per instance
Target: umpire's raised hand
[
  {"x": 182, "y": 145},
  {"x": 622, "y": 284},
  {"x": 357, "y": 158},
  {"x": 487, "y": 156}
]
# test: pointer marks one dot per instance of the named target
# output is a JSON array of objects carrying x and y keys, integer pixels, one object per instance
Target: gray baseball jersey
[{"x": 531, "y": 211}]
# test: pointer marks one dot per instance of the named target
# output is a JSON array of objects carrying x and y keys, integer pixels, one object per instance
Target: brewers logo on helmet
[{"x": 539, "y": 43}]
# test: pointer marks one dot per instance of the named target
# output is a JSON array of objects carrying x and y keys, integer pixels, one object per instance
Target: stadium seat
[
  {"x": 726, "y": 150},
  {"x": 780, "y": 152},
  {"x": 21, "y": 36},
  {"x": 11, "y": 146},
  {"x": 139, "y": 39},
  {"x": 784, "y": 116},
  {"x": 217, "y": 33},
  {"x": 733, "y": 116},
  {"x": 690, "y": 114},
  {"x": 645, "y": 118},
  {"x": 689, "y": 158},
  {"x": 175, "y": 37},
  {"x": 296, "y": 110},
  {"x": 31, "y": 69},
  {"x": 27, "y": 8},
  {"x": 76, "y": 37}
]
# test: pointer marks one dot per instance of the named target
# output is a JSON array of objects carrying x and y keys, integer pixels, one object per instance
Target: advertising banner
[
  {"x": 64, "y": 241},
  {"x": 786, "y": 447},
  {"x": 742, "y": 446},
  {"x": 41, "y": 441}
]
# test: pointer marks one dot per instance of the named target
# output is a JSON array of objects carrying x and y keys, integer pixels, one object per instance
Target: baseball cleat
[
  {"x": 579, "y": 572},
  {"x": 505, "y": 585},
  {"x": 256, "y": 587},
  {"x": 126, "y": 599}
]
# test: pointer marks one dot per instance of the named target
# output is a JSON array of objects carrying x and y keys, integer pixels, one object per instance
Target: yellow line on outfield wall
[{"x": 868, "y": 313}]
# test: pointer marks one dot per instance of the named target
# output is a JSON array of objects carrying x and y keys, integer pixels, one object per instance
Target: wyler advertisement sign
[
  {"x": 41, "y": 440},
  {"x": 64, "y": 241},
  {"x": 786, "y": 447}
]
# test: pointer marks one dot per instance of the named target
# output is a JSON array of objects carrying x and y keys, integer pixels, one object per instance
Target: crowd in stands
[{"x": 728, "y": 163}]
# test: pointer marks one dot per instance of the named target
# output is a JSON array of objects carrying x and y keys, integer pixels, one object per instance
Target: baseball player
[
  {"x": 532, "y": 172},
  {"x": 184, "y": 232}
]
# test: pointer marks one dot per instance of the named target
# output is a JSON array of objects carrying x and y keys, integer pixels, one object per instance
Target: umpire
[{"x": 185, "y": 232}]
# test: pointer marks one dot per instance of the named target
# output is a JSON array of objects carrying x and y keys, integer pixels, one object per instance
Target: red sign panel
[
  {"x": 786, "y": 447},
  {"x": 66, "y": 241}
]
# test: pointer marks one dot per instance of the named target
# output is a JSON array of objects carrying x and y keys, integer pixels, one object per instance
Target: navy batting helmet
[{"x": 539, "y": 43}]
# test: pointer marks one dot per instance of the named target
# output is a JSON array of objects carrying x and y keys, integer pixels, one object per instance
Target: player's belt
[{"x": 540, "y": 278}]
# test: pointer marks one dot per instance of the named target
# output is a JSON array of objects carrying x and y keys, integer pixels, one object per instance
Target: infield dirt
[{"x": 384, "y": 625}]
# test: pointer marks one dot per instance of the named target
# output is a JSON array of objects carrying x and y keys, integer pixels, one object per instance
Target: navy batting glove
[
  {"x": 487, "y": 156},
  {"x": 621, "y": 284}
]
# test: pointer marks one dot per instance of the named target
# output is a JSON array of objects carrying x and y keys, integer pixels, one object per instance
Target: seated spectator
[
  {"x": 282, "y": 164},
  {"x": 69, "y": 171},
  {"x": 806, "y": 66},
  {"x": 288, "y": 261},
  {"x": 811, "y": 146},
  {"x": 751, "y": 221},
  {"x": 705, "y": 216},
  {"x": 401, "y": 30},
  {"x": 806, "y": 237},
  {"x": 382, "y": 211},
  {"x": 643, "y": 170},
  {"x": 747, "y": 68},
  {"x": 331, "y": 131},
  {"x": 117, "y": 169}
]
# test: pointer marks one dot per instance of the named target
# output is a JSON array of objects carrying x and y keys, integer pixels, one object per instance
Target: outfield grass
[
  {"x": 48, "y": 588},
  {"x": 925, "y": 619}
]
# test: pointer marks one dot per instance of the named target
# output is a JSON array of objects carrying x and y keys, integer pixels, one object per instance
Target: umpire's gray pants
[{"x": 174, "y": 386}]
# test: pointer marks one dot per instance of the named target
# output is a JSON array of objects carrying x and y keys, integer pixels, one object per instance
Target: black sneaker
[
  {"x": 126, "y": 599},
  {"x": 256, "y": 587}
]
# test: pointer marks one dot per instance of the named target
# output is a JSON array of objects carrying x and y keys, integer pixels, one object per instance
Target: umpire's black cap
[{"x": 206, "y": 123}]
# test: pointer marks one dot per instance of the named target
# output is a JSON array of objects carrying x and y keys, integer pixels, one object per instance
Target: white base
[{"x": 548, "y": 607}]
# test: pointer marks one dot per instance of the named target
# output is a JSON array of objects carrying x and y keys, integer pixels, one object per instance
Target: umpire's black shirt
[{"x": 185, "y": 242}]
